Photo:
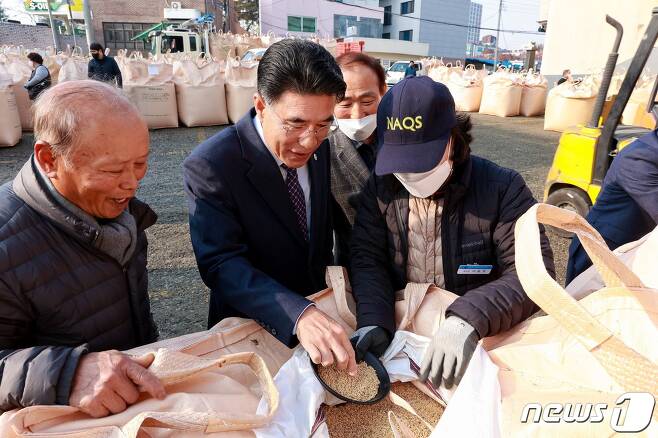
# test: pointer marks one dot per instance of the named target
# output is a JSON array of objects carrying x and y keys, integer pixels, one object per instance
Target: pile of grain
[
  {"x": 362, "y": 387},
  {"x": 355, "y": 420}
]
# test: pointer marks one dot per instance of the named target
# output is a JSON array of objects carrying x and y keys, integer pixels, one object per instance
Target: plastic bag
[
  {"x": 10, "y": 122},
  {"x": 149, "y": 86},
  {"x": 200, "y": 93},
  {"x": 240, "y": 88},
  {"x": 466, "y": 89},
  {"x": 533, "y": 96},
  {"x": 501, "y": 95}
]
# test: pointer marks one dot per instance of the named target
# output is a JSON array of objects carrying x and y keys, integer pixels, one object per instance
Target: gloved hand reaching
[
  {"x": 449, "y": 353},
  {"x": 370, "y": 338}
]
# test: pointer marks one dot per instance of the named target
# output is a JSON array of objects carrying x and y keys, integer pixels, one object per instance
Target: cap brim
[{"x": 411, "y": 158}]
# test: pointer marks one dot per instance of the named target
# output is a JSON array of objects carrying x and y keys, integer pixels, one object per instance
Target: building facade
[
  {"x": 488, "y": 40},
  {"x": 578, "y": 37},
  {"x": 333, "y": 19},
  {"x": 116, "y": 22},
  {"x": 474, "y": 23},
  {"x": 443, "y": 24}
]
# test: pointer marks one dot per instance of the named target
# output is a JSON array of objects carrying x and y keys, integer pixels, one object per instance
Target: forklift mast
[{"x": 605, "y": 142}]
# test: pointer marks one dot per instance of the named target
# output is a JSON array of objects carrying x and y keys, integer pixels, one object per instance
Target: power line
[{"x": 446, "y": 23}]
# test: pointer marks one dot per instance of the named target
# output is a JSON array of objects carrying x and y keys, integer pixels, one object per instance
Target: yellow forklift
[{"x": 585, "y": 153}]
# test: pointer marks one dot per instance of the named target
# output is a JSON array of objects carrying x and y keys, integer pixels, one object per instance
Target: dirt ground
[{"x": 179, "y": 297}]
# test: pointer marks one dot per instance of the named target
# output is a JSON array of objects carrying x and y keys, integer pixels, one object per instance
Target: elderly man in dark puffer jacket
[{"x": 73, "y": 279}]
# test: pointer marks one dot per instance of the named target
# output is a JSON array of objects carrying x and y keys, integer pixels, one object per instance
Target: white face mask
[
  {"x": 358, "y": 129},
  {"x": 423, "y": 185}
]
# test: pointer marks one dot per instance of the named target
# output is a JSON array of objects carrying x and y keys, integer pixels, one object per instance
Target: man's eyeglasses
[{"x": 301, "y": 130}]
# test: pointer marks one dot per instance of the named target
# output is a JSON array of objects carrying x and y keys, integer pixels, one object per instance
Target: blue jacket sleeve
[
  {"x": 636, "y": 171},
  {"x": 222, "y": 254}
]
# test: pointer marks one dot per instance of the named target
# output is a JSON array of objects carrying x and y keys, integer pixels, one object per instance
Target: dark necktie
[{"x": 297, "y": 198}]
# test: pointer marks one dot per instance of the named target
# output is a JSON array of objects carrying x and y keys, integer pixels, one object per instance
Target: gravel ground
[{"x": 180, "y": 299}]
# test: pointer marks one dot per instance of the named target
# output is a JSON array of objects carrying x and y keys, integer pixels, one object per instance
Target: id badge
[{"x": 474, "y": 269}]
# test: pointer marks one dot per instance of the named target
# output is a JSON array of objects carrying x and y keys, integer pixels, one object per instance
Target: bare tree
[{"x": 247, "y": 13}]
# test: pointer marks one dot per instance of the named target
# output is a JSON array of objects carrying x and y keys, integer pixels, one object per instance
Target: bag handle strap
[
  {"x": 173, "y": 367},
  {"x": 414, "y": 294},
  {"x": 337, "y": 280},
  {"x": 189, "y": 366},
  {"x": 630, "y": 369}
]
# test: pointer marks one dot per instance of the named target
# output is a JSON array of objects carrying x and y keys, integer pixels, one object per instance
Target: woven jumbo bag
[
  {"x": 583, "y": 352},
  {"x": 215, "y": 380}
]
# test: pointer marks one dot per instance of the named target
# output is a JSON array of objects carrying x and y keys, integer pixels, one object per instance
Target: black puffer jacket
[
  {"x": 60, "y": 297},
  {"x": 481, "y": 206}
]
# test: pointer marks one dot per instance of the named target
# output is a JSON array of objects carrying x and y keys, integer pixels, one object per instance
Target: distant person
[
  {"x": 410, "y": 70},
  {"x": 40, "y": 77},
  {"x": 103, "y": 68},
  {"x": 627, "y": 207},
  {"x": 566, "y": 76}
]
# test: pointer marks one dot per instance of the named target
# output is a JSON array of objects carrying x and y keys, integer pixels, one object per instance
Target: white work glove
[{"x": 449, "y": 353}]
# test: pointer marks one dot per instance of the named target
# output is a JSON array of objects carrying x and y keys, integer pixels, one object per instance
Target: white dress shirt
[
  {"x": 304, "y": 181},
  {"x": 302, "y": 174}
]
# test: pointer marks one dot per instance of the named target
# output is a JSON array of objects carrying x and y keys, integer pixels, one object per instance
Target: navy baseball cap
[{"x": 414, "y": 120}]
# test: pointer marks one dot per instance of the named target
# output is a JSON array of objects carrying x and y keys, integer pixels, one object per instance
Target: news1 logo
[{"x": 631, "y": 414}]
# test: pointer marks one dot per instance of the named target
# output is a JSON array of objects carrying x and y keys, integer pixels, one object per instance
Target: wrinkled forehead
[
  {"x": 120, "y": 134},
  {"x": 309, "y": 108}
]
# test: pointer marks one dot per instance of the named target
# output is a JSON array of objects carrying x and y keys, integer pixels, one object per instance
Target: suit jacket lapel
[
  {"x": 266, "y": 177},
  {"x": 348, "y": 154}
]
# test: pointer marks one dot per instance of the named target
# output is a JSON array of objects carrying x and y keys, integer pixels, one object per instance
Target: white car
[
  {"x": 254, "y": 54},
  {"x": 395, "y": 73}
]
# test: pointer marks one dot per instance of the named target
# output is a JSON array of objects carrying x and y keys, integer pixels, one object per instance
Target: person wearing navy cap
[{"x": 433, "y": 213}]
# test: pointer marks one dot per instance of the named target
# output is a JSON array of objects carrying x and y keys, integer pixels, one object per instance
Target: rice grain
[
  {"x": 351, "y": 420},
  {"x": 362, "y": 387}
]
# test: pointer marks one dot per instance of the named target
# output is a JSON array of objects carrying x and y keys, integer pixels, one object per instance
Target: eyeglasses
[{"x": 300, "y": 130}]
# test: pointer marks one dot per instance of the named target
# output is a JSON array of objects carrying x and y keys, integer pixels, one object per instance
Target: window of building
[
  {"x": 406, "y": 35},
  {"x": 386, "y": 35},
  {"x": 308, "y": 24},
  {"x": 407, "y": 7},
  {"x": 353, "y": 26},
  {"x": 119, "y": 35},
  {"x": 301, "y": 24},
  {"x": 388, "y": 12},
  {"x": 192, "y": 43}
]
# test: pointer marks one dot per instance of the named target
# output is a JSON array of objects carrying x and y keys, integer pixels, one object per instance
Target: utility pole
[
  {"x": 75, "y": 43},
  {"x": 89, "y": 29},
  {"x": 52, "y": 27},
  {"x": 500, "y": 12},
  {"x": 260, "y": 18}
]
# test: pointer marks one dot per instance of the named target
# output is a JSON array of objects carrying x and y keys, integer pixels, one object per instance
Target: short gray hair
[{"x": 62, "y": 111}]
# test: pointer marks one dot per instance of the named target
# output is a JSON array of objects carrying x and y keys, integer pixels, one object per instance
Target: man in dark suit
[
  {"x": 627, "y": 207},
  {"x": 259, "y": 201}
]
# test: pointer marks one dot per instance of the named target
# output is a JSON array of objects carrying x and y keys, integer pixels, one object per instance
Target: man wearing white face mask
[
  {"x": 353, "y": 144},
  {"x": 432, "y": 213}
]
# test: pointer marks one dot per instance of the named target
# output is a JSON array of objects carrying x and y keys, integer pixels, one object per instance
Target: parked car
[
  {"x": 254, "y": 54},
  {"x": 395, "y": 73}
]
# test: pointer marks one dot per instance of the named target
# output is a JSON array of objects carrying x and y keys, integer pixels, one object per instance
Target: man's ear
[
  {"x": 47, "y": 160},
  {"x": 259, "y": 105}
]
